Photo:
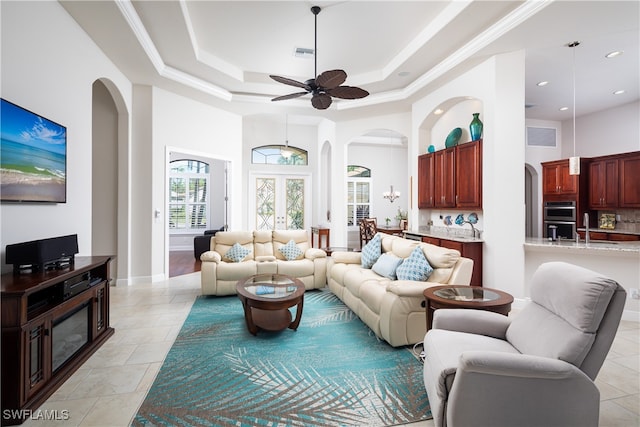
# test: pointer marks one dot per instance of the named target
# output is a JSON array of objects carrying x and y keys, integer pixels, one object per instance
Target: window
[
  {"x": 279, "y": 155},
  {"x": 358, "y": 194},
  {"x": 188, "y": 195}
]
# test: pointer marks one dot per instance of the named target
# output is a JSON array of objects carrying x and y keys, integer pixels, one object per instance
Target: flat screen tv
[{"x": 33, "y": 157}]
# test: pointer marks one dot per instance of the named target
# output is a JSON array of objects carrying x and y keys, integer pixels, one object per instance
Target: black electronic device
[
  {"x": 54, "y": 252},
  {"x": 75, "y": 285}
]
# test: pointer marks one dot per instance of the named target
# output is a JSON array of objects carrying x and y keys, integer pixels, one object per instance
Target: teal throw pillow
[
  {"x": 291, "y": 251},
  {"x": 415, "y": 267},
  {"x": 386, "y": 266},
  {"x": 237, "y": 253},
  {"x": 371, "y": 252}
]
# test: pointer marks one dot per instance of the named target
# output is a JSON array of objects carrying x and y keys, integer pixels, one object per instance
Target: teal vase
[{"x": 475, "y": 127}]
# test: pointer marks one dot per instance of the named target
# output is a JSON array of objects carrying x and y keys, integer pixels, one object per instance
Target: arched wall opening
[{"x": 110, "y": 176}]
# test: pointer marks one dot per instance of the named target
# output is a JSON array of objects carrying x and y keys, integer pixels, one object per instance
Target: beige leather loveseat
[
  {"x": 394, "y": 309},
  {"x": 237, "y": 254}
]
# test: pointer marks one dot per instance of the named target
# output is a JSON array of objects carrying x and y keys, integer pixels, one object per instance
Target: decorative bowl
[{"x": 453, "y": 138}]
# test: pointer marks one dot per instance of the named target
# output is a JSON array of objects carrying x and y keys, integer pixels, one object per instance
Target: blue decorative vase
[
  {"x": 431, "y": 149},
  {"x": 475, "y": 127}
]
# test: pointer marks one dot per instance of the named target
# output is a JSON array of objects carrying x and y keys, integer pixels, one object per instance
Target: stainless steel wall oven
[{"x": 561, "y": 214}]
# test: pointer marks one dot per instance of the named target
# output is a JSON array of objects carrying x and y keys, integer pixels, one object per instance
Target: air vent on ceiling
[
  {"x": 303, "y": 52},
  {"x": 541, "y": 137}
]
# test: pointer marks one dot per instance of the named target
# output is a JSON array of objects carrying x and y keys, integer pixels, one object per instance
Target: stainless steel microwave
[{"x": 560, "y": 211}]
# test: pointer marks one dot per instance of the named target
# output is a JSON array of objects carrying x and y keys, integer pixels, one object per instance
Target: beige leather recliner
[
  {"x": 536, "y": 368},
  {"x": 219, "y": 276}
]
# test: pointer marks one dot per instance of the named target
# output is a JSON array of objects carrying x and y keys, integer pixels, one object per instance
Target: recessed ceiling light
[
  {"x": 563, "y": 108},
  {"x": 619, "y": 92},
  {"x": 613, "y": 54},
  {"x": 438, "y": 111},
  {"x": 543, "y": 83}
]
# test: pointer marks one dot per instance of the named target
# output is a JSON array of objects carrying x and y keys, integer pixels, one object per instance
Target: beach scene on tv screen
[{"x": 32, "y": 156}]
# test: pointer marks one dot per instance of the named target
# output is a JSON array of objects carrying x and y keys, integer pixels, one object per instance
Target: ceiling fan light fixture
[{"x": 323, "y": 87}]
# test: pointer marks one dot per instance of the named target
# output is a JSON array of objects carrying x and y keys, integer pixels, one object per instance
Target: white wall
[
  {"x": 499, "y": 84},
  {"x": 48, "y": 66},
  {"x": 612, "y": 131}
]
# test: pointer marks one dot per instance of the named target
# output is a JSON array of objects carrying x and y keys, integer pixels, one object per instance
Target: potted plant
[
  {"x": 387, "y": 220},
  {"x": 401, "y": 215}
]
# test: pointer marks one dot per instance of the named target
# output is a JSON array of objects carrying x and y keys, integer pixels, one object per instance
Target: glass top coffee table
[
  {"x": 458, "y": 296},
  {"x": 266, "y": 299}
]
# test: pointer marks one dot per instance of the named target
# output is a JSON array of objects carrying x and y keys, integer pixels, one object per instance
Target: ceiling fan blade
[
  {"x": 290, "y": 96},
  {"x": 290, "y": 82},
  {"x": 321, "y": 101},
  {"x": 331, "y": 79},
  {"x": 348, "y": 92}
]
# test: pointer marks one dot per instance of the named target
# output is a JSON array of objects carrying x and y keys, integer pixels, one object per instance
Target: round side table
[{"x": 457, "y": 296}]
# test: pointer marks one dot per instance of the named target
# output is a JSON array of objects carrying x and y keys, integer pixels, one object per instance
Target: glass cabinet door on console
[{"x": 37, "y": 341}]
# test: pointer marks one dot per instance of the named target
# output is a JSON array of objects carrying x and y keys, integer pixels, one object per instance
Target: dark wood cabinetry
[
  {"x": 426, "y": 183},
  {"x": 451, "y": 178},
  {"x": 629, "y": 179},
  {"x": 613, "y": 237},
  {"x": 52, "y": 321},
  {"x": 603, "y": 184},
  {"x": 469, "y": 175},
  {"x": 471, "y": 250},
  {"x": 556, "y": 179}
]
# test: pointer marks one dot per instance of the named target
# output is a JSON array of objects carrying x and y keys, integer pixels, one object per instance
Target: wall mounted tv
[{"x": 33, "y": 156}]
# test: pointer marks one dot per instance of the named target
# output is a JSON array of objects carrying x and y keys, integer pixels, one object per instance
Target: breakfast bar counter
[{"x": 565, "y": 245}]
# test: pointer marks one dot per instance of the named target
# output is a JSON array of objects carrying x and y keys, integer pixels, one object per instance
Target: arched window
[
  {"x": 358, "y": 194},
  {"x": 188, "y": 195},
  {"x": 279, "y": 155}
]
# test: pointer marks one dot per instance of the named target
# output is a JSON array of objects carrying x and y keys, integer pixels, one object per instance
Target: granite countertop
[
  {"x": 569, "y": 244},
  {"x": 464, "y": 235}
]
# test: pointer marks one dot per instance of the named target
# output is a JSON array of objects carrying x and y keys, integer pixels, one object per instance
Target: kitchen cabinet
[
  {"x": 603, "y": 183},
  {"x": 557, "y": 180},
  {"x": 613, "y": 237},
  {"x": 451, "y": 178},
  {"x": 629, "y": 181},
  {"x": 471, "y": 250},
  {"x": 469, "y": 175},
  {"x": 426, "y": 183}
]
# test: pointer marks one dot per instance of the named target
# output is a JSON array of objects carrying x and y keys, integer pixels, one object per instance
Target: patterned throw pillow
[
  {"x": 386, "y": 265},
  {"x": 291, "y": 251},
  {"x": 416, "y": 267},
  {"x": 371, "y": 252},
  {"x": 237, "y": 253}
]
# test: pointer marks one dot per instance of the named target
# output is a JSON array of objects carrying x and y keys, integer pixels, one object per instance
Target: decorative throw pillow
[
  {"x": 291, "y": 251},
  {"x": 386, "y": 266},
  {"x": 371, "y": 252},
  {"x": 237, "y": 253},
  {"x": 415, "y": 267}
]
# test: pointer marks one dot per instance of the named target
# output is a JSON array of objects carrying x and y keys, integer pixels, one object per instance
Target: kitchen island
[{"x": 617, "y": 260}]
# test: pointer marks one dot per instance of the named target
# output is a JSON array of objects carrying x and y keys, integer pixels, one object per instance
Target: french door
[{"x": 279, "y": 202}]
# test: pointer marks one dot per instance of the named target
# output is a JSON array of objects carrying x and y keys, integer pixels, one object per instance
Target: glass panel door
[{"x": 280, "y": 202}]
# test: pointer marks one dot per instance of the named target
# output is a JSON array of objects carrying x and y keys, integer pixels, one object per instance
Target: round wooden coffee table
[
  {"x": 266, "y": 299},
  {"x": 457, "y": 296}
]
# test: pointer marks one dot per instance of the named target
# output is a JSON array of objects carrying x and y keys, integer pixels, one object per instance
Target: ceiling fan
[{"x": 325, "y": 85}]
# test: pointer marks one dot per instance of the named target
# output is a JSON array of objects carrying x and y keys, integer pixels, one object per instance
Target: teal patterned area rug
[{"x": 332, "y": 371}]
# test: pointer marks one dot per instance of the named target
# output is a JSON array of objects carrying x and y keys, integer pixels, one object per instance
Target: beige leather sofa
[
  {"x": 219, "y": 275},
  {"x": 394, "y": 309}
]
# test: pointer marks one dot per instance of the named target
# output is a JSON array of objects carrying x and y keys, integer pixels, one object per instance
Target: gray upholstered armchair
[{"x": 536, "y": 368}]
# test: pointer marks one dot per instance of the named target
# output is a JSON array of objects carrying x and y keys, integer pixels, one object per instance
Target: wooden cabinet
[
  {"x": 471, "y": 250},
  {"x": 469, "y": 175},
  {"x": 451, "y": 178},
  {"x": 557, "y": 180},
  {"x": 426, "y": 182},
  {"x": 52, "y": 321},
  {"x": 613, "y": 237},
  {"x": 629, "y": 181},
  {"x": 603, "y": 184},
  {"x": 445, "y": 178}
]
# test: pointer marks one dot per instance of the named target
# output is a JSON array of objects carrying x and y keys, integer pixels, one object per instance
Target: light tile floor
[{"x": 109, "y": 388}]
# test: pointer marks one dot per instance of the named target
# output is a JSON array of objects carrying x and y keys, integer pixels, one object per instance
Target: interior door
[{"x": 279, "y": 202}]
